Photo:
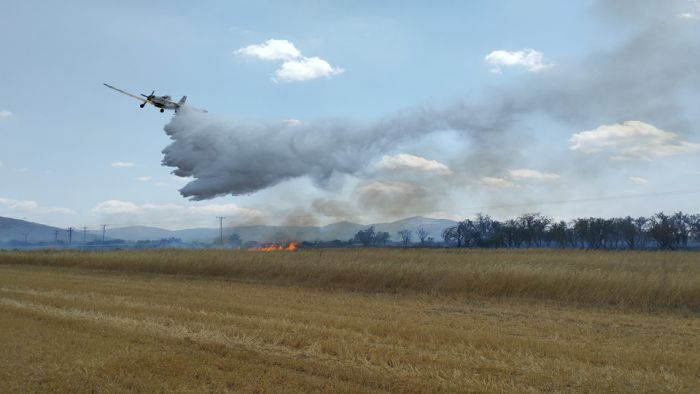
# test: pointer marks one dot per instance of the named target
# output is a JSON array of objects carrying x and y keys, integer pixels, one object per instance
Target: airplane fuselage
[{"x": 163, "y": 102}]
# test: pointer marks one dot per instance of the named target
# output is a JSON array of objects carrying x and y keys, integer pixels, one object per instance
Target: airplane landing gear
[
  {"x": 162, "y": 110},
  {"x": 142, "y": 105}
]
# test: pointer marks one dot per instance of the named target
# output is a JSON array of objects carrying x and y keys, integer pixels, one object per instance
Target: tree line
[{"x": 533, "y": 230}]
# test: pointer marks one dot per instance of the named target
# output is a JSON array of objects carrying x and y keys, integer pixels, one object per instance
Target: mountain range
[{"x": 15, "y": 230}]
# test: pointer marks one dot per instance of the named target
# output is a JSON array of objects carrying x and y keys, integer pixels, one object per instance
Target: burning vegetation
[{"x": 292, "y": 246}]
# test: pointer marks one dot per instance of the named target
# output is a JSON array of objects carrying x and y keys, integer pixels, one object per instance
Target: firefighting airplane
[{"x": 162, "y": 102}]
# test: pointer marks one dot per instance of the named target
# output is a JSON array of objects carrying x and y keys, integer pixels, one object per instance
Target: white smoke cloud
[
  {"x": 405, "y": 161},
  {"x": 227, "y": 156},
  {"x": 631, "y": 140},
  {"x": 295, "y": 66},
  {"x": 530, "y": 59}
]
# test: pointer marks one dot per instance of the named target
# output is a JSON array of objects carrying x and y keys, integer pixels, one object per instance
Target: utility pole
[
  {"x": 84, "y": 235},
  {"x": 55, "y": 238},
  {"x": 25, "y": 237},
  {"x": 70, "y": 235},
  {"x": 221, "y": 228},
  {"x": 104, "y": 229}
]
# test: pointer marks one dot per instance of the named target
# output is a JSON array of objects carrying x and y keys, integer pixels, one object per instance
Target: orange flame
[{"x": 292, "y": 246}]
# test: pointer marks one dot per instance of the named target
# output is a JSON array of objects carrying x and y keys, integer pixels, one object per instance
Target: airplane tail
[{"x": 182, "y": 100}]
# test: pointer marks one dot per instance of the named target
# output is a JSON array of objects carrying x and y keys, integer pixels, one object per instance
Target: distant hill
[{"x": 13, "y": 229}]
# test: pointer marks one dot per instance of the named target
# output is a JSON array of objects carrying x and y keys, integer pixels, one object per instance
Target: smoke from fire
[{"x": 642, "y": 78}]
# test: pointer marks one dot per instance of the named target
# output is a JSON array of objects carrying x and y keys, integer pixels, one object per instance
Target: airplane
[{"x": 162, "y": 102}]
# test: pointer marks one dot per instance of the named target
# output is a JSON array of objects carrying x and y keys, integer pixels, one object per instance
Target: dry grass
[
  {"x": 642, "y": 280},
  {"x": 429, "y": 321}
]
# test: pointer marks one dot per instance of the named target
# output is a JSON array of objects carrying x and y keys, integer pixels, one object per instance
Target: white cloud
[
  {"x": 4, "y": 114},
  {"x": 631, "y": 140},
  {"x": 61, "y": 210},
  {"x": 405, "y": 161},
  {"x": 528, "y": 58},
  {"x": 498, "y": 183},
  {"x": 31, "y": 206},
  {"x": 116, "y": 207},
  {"x": 271, "y": 50},
  {"x": 172, "y": 215},
  {"x": 143, "y": 178},
  {"x": 637, "y": 180},
  {"x": 292, "y": 122},
  {"x": 295, "y": 67},
  {"x": 533, "y": 175},
  {"x": 22, "y": 205},
  {"x": 122, "y": 164},
  {"x": 305, "y": 69}
]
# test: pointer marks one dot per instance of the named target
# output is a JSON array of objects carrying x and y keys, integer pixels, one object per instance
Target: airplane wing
[{"x": 127, "y": 93}]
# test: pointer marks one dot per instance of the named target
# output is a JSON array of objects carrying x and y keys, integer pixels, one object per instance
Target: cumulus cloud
[
  {"x": 122, "y": 164},
  {"x": 24, "y": 205},
  {"x": 631, "y": 140},
  {"x": 637, "y": 180},
  {"x": 530, "y": 59},
  {"x": 305, "y": 69},
  {"x": 4, "y": 114},
  {"x": 405, "y": 161},
  {"x": 497, "y": 183},
  {"x": 31, "y": 206},
  {"x": 533, "y": 175},
  {"x": 271, "y": 50},
  {"x": 176, "y": 215},
  {"x": 295, "y": 67}
]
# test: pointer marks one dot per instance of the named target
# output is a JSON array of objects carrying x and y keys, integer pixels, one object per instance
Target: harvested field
[{"x": 350, "y": 321}]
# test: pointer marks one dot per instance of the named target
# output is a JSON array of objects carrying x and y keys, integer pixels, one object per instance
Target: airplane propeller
[{"x": 150, "y": 96}]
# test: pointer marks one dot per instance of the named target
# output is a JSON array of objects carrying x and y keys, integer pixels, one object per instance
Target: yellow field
[{"x": 350, "y": 321}]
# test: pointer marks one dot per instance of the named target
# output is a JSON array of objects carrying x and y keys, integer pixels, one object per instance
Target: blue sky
[{"x": 62, "y": 132}]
